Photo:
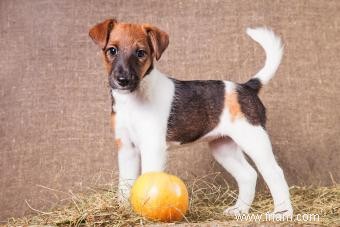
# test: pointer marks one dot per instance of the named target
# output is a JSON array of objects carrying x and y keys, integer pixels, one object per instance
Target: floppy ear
[
  {"x": 159, "y": 39},
  {"x": 100, "y": 33}
]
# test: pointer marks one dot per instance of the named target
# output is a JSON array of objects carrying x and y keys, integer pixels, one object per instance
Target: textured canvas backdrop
[{"x": 55, "y": 106}]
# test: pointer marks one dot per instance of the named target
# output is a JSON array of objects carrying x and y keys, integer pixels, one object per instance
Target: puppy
[{"x": 151, "y": 111}]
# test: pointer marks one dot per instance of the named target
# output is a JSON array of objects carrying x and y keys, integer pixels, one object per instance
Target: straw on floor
[{"x": 207, "y": 202}]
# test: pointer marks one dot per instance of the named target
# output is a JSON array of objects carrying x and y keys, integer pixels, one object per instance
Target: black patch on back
[
  {"x": 254, "y": 84},
  {"x": 251, "y": 105},
  {"x": 195, "y": 110}
]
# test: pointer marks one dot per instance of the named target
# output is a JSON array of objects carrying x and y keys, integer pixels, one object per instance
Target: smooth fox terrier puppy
[{"x": 151, "y": 111}]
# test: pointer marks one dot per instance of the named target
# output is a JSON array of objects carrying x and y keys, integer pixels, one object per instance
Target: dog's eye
[
  {"x": 112, "y": 51},
  {"x": 140, "y": 53}
]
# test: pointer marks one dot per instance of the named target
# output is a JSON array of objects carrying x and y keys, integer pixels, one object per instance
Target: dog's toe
[{"x": 236, "y": 210}]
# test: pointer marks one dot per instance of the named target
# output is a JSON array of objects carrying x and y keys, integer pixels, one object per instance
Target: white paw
[{"x": 236, "y": 210}]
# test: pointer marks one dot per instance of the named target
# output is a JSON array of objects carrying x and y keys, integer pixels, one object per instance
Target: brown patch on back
[{"x": 232, "y": 104}]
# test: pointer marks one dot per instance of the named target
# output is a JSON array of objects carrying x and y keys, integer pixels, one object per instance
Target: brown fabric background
[{"x": 55, "y": 107}]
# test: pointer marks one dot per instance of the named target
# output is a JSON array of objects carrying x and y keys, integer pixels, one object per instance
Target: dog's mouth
[{"x": 128, "y": 88}]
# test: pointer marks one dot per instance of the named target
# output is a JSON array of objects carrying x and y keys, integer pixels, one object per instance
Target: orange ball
[{"x": 160, "y": 196}]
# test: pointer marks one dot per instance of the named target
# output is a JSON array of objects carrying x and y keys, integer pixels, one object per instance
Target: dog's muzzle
[{"x": 124, "y": 82}]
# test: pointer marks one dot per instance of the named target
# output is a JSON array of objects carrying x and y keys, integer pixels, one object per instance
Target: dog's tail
[{"x": 273, "y": 48}]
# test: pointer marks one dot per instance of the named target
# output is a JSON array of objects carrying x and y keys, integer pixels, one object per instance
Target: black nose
[{"x": 123, "y": 81}]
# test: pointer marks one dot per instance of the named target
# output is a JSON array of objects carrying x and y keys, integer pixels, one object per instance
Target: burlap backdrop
[{"x": 55, "y": 107}]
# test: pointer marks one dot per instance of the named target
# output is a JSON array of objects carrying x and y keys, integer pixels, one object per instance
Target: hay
[{"x": 207, "y": 202}]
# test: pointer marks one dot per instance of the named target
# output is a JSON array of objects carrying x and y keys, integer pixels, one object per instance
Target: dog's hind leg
[
  {"x": 255, "y": 142},
  {"x": 228, "y": 154}
]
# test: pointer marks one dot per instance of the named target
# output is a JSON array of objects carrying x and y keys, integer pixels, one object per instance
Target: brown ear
[
  {"x": 100, "y": 33},
  {"x": 158, "y": 38}
]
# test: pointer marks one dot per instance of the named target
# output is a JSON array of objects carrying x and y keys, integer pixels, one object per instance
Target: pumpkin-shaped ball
[{"x": 160, "y": 196}]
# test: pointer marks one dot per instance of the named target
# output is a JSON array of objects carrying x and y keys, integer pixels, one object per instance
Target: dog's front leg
[
  {"x": 129, "y": 168},
  {"x": 153, "y": 155}
]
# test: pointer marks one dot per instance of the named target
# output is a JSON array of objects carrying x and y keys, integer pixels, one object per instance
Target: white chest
[{"x": 143, "y": 115}]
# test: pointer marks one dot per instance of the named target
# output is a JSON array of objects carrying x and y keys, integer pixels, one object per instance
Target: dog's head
[{"x": 128, "y": 50}]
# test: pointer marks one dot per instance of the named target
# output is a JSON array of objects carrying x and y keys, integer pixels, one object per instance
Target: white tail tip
[{"x": 273, "y": 48}]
